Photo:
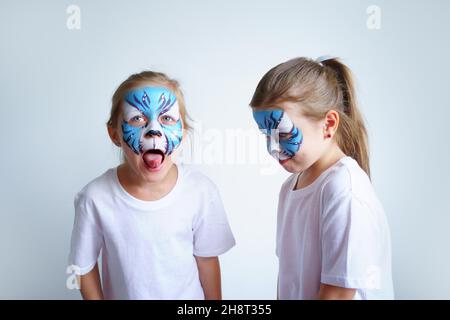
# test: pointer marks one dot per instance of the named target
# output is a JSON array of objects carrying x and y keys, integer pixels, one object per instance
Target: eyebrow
[{"x": 166, "y": 105}]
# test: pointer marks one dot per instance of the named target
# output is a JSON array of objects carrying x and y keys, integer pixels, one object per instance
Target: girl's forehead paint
[{"x": 156, "y": 99}]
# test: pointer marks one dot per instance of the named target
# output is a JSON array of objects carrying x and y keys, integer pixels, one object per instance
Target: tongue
[{"x": 153, "y": 160}]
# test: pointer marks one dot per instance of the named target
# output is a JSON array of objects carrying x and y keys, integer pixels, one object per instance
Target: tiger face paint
[
  {"x": 283, "y": 137},
  {"x": 152, "y": 125}
]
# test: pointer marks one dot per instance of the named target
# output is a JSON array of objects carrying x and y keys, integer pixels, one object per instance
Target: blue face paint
[
  {"x": 151, "y": 120},
  {"x": 283, "y": 137}
]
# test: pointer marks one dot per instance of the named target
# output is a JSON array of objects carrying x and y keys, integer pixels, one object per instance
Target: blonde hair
[
  {"x": 141, "y": 78},
  {"x": 319, "y": 87},
  {"x": 138, "y": 79}
]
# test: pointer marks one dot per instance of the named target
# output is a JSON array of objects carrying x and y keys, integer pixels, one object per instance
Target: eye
[
  {"x": 137, "y": 120},
  {"x": 166, "y": 119},
  {"x": 285, "y": 136}
]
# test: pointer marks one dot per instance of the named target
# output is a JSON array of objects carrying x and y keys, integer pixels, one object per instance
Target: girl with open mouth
[{"x": 159, "y": 226}]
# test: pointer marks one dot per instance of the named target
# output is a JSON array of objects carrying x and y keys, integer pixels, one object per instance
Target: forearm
[
  {"x": 329, "y": 292},
  {"x": 90, "y": 285},
  {"x": 209, "y": 273},
  {"x": 278, "y": 287}
]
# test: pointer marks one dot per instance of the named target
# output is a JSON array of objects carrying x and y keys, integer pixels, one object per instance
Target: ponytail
[
  {"x": 352, "y": 134},
  {"x": 319, "y": 86}
]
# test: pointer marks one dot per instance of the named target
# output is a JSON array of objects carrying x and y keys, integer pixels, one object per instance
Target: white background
[{"x": 55, "y": 91}]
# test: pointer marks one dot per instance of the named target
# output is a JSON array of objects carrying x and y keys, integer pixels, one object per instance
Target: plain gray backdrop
[{"x": 56, "y": 85}]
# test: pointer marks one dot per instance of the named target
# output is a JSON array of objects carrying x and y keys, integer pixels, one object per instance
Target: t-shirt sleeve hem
[
  {"x": 84, "y": 270},
  {"x": 343, "y": 282},
  {"x": 215, "y": 253}
]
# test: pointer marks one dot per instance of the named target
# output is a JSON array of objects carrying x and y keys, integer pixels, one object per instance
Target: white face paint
[
  {"x": 151, "y": 120},
  {"x": 173, "y": 112},
  {"x": 136, "y": 118},
  {"x": 283, "y": 137},
  {"x": 130, "y": 112},
  {"x": 285, "y": 127}
]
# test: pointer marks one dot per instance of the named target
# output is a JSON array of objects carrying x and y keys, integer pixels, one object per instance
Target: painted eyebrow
[
  {"x": 136, "y": 109},
  {"x": 133, "y": 105},
  {"x": 166, "y": 104},
  {"x": 144, "y": 103},
  {"x": 138, "y": 115}
]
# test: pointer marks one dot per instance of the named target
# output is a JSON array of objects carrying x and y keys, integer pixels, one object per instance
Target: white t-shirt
[
  {"x": 148, "y": 247},
  {"x": 334, "y": 231}
]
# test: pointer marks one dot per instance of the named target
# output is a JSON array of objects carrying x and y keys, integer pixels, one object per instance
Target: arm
[
  {"x": 278, "y": 287},
  {"x": 90, "y": 285},
  {"x": 328, "y": 292},
  {"x": 209, "y": 271}
]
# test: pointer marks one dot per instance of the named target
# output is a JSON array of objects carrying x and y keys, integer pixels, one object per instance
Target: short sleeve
[
  {"x": 212, "y": 232},
  {"x": 87, "y": 240},
  {"x": 351, "y": 256}
]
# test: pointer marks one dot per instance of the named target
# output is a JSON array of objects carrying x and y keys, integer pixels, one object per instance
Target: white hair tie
[{"x": 321, "y": 59}]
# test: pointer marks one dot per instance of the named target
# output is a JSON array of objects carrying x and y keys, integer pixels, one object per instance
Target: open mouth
[{"x": 153, "y": 158}]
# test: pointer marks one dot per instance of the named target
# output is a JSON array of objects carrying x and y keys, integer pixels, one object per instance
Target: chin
[{"x": 291, "y": 166}]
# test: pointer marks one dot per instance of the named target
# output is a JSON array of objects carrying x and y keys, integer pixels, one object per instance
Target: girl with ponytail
[{"x": 333, "y": 239}]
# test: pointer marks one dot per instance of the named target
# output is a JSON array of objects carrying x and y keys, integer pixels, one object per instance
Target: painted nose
[
  {"x": 273, "y": 146},
  {"x": 152, "y": 133}
]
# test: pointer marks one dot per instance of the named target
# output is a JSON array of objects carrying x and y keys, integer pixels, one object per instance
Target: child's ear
[
  {"x": 331, "y": 123},
  {"x": 113, "y": 135}
]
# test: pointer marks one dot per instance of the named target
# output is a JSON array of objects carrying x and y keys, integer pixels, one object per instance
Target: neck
[
  {"x": 142, "y": 189},
  {"x": 327, "y": 160}
]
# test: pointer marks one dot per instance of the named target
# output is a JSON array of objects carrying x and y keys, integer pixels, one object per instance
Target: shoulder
[
  {"x": 338, "y": 180},
  {"x": 347, "y": 184},
  {"x": 95, "y": 188},
  {"x": 195, "y": 179},
  {"x": 346, "y": 177}
]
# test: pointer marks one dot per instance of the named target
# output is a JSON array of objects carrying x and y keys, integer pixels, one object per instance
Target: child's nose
[
  {"x": 152, "y": 133},
  {"x": 273, "y": 146}
]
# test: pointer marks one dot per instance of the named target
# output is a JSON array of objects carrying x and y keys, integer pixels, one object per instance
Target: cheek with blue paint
[
  {"x": 283, "y": 137},
  {"x": 151, "y": 120},
  {"x": 131, "y": 135},
  {"x": 174, "y": 134}
]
